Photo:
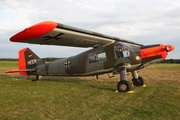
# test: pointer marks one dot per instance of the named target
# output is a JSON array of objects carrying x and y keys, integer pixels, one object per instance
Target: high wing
[{"x": 52, "y": 33}]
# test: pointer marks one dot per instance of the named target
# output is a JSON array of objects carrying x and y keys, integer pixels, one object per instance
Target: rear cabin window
[{"x": 97, "y": 57}]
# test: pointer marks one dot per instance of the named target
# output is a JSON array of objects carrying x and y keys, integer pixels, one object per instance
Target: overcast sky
[{"x": 141, "y": 21}]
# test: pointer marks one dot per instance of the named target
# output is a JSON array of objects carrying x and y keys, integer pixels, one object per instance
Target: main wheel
[
  {"x": 138, "y": 82},
  {"x": 123, "y": 86}
]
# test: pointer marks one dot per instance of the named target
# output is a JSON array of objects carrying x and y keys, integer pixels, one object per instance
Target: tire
[
  {"x": 138, "y": 82},
  {"x": 123, "y": 86}
]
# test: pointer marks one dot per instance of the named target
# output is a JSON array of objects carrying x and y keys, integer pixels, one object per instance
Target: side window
[
  {"x": 102, "y": 57},
  {"x": 97, "y": 57},
  {"x": 93, "y": 58},
  {"x": 121, "y": 50}
]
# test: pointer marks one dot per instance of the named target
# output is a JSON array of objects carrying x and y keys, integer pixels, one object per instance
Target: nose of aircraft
[
  {"x": 169, "y": 48},
  {"x": 156, "y": 50}
]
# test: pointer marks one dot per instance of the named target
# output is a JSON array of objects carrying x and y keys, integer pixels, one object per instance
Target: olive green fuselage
[{"x": 100, "y": 60}]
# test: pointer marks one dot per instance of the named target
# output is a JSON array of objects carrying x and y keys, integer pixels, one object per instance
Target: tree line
[
  {"x": 50, "y": 59},
  {"x": 177, "y": 61}
]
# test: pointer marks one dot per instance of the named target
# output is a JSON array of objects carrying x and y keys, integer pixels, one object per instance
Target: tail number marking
[{"x": 32, "y": 62}]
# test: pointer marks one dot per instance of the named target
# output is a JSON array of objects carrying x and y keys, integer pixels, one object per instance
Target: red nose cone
[
  {"x": 34, "y": 31},
  {"x": 169, "y": 48},
  {"x": 156, "y": 50}
]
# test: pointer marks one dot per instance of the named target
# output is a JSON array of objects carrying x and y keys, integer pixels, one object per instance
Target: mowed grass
[
  {"x": 9, "y": 64},
  {"x": 87, "y": 98}
]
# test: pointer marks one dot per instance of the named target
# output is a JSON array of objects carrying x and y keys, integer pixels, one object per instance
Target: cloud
[{"x": 146, "y": 22}]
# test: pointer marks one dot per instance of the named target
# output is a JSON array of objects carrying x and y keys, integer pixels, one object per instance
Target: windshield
[{"x": 121, "y": 50}]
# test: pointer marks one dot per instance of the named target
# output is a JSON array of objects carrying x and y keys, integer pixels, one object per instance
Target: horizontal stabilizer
[{"x": 24, "y": 70}]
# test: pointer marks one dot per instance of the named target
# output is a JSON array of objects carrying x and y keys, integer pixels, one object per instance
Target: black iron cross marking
[
  {"x": 67, "y": 64},
  {"x": 56, "y": 37}
]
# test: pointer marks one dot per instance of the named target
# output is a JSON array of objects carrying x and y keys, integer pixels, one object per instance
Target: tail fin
[{"x": 28, "y": 62}]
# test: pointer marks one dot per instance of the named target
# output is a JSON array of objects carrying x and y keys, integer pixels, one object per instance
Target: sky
[{"x": 140, "y": 21}]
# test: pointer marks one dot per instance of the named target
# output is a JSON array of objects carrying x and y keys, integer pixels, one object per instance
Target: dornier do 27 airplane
[{"x": 108, "y": 54}]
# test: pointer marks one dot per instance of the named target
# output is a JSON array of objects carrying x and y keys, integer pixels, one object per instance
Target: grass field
[{"x": 86, "y": 98}]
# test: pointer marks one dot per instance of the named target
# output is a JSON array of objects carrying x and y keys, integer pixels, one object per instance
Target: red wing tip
[{"x": 34, "y": 31}]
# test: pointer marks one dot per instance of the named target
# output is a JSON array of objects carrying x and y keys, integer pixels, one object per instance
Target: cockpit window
[{"x": 121, "y": 50}]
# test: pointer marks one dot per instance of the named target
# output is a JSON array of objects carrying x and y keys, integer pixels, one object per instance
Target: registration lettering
[{"x": 32, "y": 62}]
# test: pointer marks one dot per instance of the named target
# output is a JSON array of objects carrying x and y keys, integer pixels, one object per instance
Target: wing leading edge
[{"x": 52, "y": 33}]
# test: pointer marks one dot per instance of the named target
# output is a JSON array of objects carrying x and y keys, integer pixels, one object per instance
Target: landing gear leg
[
  {"x": 123, "y": 85},
  {"x": 137, "y": 80}
]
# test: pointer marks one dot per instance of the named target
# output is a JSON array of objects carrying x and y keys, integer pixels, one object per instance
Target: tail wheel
[
  {"x": 138, "y": 82},
  {"x": 123, "y": 86},
  {"x": 37, "y": 78}
]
